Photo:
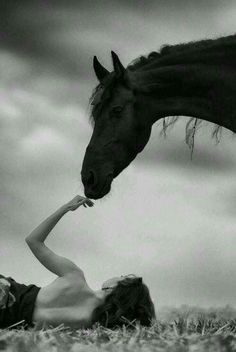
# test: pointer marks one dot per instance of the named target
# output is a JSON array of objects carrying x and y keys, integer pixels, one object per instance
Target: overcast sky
[{"x": 167, "y": 218}]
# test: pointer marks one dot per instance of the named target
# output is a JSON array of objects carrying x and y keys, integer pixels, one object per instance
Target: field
[{"x": 176, "y": 330}]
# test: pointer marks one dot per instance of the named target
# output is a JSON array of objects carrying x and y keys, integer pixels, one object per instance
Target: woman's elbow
[{"x": 29, "y": 240}]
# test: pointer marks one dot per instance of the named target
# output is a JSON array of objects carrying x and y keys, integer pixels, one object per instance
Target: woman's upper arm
[{"x": 57, "y": 264}]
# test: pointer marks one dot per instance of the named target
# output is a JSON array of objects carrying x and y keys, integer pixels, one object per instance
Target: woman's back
[{"x": 67, "y": 300}]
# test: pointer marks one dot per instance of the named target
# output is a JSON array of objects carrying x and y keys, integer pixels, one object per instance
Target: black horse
[{"x": 196, "y": 79}]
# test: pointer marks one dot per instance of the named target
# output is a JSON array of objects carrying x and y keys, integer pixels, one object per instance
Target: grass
[{"x": 176, "y": 330}]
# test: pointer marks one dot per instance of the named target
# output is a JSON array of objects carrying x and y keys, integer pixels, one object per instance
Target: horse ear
[
  {"x": 100, "y": 71},
  {"x": 118, "y": 67}
]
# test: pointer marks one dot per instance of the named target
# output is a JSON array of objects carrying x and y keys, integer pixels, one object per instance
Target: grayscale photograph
[{"x": 118, "y": 175}]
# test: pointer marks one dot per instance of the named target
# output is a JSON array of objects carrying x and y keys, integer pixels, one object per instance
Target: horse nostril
[{"x": 91, "y": 179}]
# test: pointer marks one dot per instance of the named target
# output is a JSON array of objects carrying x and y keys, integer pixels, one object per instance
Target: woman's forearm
[{"x": 40, "y": 233}]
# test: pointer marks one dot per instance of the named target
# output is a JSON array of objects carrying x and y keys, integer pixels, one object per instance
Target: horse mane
[
  {"x": 91, "y": 106},
  {"x": 166, "y": 50},
  {"x": 190, "y": 50},
  {"x": 190, "y": 130}
]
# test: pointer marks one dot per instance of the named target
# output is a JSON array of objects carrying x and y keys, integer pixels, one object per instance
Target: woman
[{"x": 69, "y": 299}]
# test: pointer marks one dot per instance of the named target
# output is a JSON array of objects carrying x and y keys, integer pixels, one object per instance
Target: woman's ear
[{"x": 107, "y": 290}]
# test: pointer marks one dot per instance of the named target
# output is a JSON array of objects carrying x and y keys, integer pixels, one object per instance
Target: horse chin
[
  {"x": 105, "y": 190},
  {"x": 102, "y": 191}
]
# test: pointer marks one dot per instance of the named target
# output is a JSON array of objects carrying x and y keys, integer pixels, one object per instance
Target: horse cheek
[{"x": 142, "y": 138}]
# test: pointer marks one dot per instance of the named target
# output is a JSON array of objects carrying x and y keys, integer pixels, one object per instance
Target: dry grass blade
[{"x": 179, "y": 330}]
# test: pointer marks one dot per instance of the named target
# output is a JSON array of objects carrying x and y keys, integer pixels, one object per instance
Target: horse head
[{"x": 119, "y": 131}]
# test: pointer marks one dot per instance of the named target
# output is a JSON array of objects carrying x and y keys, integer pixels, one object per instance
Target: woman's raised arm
[{"x": 53, "y": 262}]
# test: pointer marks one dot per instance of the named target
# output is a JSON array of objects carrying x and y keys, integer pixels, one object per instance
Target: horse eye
[{"x": 117, "y": 109}]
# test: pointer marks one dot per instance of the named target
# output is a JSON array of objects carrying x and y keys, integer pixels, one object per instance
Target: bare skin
[{"x": 68, "y": 299}]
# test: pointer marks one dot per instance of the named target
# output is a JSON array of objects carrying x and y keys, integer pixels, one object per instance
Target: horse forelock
[
  {"x": 101, "y": 94},
  {"x": 97, "y": 95}
]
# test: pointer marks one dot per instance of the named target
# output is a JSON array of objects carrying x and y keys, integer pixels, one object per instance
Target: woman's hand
[{"x": 77, "y": 201}]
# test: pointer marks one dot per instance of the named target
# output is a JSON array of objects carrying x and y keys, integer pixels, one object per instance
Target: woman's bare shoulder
[
  {"x": 76, "y": 278},
  {"x": 78, "y": 273},
  {"x": 64, "y": 285}
]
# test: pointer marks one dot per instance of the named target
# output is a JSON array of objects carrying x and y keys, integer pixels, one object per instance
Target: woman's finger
[{"x": 89, "y": 202}]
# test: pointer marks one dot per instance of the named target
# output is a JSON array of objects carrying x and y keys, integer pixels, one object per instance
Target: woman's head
[{"x": 127, "y": 299}]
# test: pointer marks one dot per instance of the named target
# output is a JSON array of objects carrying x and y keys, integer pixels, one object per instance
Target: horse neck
[{"x": 191, "y": 89}]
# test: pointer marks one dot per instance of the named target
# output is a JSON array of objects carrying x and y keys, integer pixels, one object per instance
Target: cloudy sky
[{"x": 167, "y": 218}]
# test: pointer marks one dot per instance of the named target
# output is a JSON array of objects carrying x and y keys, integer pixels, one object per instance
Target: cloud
[
  {"x": 64, "y": 36},
  {"x": 42, "y": 142},
  {"x": 173, "y": 151}
]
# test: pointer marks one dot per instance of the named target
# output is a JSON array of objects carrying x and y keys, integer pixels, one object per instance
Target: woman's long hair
[{"x": 129, "y": 301}]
